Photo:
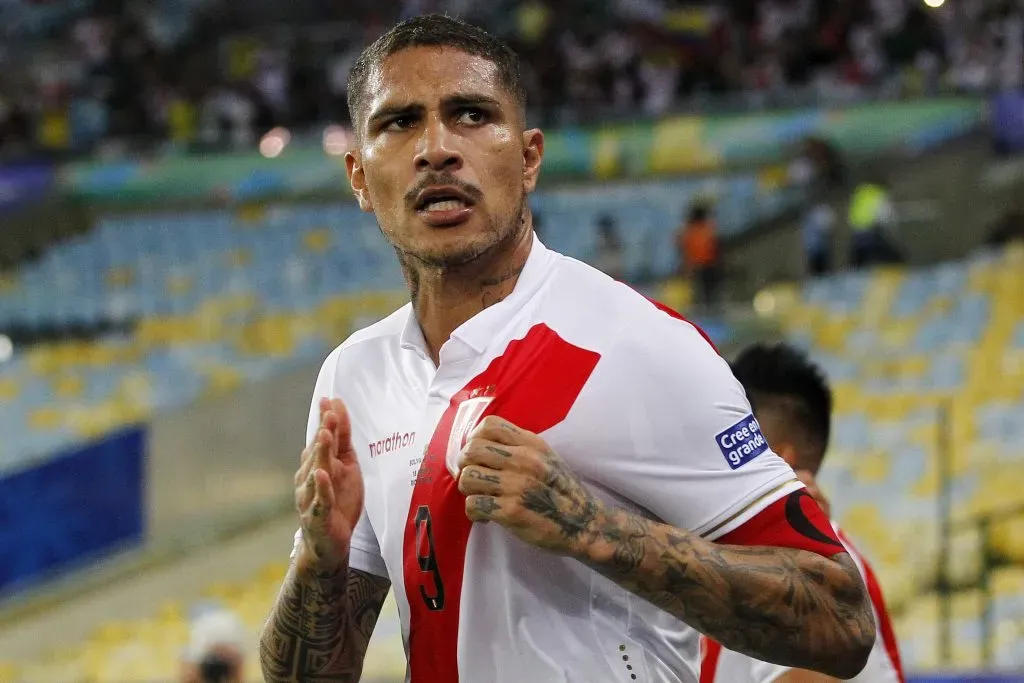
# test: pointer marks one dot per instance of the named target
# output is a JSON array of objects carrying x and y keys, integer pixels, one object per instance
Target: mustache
[{"x": 435, "y": 179}]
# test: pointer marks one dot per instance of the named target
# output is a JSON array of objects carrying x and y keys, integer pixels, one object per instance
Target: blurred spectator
[
  {"x": 817, "y": 231},
  {"x": 216, "y": 649},
  {"x": 697, "y": 242},
  {"x": 141, "y": 74},
  {"x": 608, "y": 256},
  {"x": 872, "y": 218},
  {"x": 1009, "y": 228}
]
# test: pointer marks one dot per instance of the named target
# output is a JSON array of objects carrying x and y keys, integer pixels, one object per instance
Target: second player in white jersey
[
  {"x": 884, "y": 665},
  {"x": 793, "y": 403}
]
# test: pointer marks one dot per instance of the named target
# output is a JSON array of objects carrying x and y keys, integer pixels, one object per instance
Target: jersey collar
[{"x": 475, "y": 334}]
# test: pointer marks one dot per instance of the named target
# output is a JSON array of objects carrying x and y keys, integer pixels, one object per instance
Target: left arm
[
  {"x": 782, "y": 605},
  {"x": 787, "y": 606}
]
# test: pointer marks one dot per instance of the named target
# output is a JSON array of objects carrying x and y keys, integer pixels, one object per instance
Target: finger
[
  {"x": 501, "y": 431},
  {"x": 480, "y": 480},
  {"x": 325, "y": 452},
  {"x": 482, "y": 508},
  {"x": 324, "y": 406},
  {"x": 305, "y": 489},
  {"x": 343, "y": 432},
  {"x": 480, "y": 451},
  {"x": 323, "y": 499},
  {"x": 305, "y": 462}
]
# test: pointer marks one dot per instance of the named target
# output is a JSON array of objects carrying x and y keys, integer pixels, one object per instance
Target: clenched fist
[
  {"x": 328, "y": 491},
  {"x": 512, "y": 477}
]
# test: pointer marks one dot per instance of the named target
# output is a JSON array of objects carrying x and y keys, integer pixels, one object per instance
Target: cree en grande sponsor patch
[{"x": 742, "y": 442}]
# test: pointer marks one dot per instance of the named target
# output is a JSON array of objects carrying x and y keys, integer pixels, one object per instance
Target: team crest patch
[
  {"x": 742, "y": 442},
  {"x": 467, "y": 416}
]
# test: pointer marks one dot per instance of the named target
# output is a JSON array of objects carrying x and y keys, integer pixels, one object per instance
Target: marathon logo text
[
  {"x": 742, "y": 442},
  {"x": 392, "y": 443}
]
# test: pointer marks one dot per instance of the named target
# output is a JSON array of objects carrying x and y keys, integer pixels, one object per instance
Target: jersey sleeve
[
  {"x": 693, "y": 454},
  {"x": 364, "y": 553}
]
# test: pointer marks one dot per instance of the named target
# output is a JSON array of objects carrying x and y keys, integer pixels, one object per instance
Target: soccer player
[
  {"x": 793, "y": 404},
  {"x": 536, "y": 458}
]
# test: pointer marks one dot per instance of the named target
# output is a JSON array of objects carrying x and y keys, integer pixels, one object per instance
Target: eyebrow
[{"x": 457, "y": 100}]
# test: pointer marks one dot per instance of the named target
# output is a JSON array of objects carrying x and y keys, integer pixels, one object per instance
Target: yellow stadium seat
[
  {"x": 872, "y": 468},
  {"x": 1007, "y": 581},
  {"x": 317, "y": 241},
  {"x": 10, "y": 387},
  {"x": 119, "y": 277},
  {"x": 222, "y": 378},
  {"x": 179, "y": 284},
  {"x": 1008, "y": 538},
  {"x": 45, "y": 419},
  {"x": 237, "y": 258},
  {"x": 273, "y": 572},
  {"x": 8, "y": 283},
  {"x": 676, "y": 293},
  {"x": 68, "y": 386},
  {"x": 251, "y": 214}
]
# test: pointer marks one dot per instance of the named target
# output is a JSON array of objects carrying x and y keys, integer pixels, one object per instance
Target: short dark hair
[
  {"x": 434, "y": 30},
  {"x": 780, "y": 377}
]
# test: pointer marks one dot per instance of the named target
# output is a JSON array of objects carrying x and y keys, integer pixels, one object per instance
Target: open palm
[{"x": 329, "y": 489}]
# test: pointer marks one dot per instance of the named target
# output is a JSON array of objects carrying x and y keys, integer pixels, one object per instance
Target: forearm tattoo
[
  {"x": 786, "y": 606},
  {"x": 320, "y": 626}
]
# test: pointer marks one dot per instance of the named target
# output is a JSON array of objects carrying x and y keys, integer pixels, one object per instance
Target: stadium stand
[
  {"x": 914, "y": 355},
  {"x": 928, "y": 364},
  {"x": 898, "y": 345},
  {"x": 220, "y": 298}
]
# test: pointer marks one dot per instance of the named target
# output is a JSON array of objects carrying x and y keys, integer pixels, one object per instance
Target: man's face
[{"x": 443, "y": 161}]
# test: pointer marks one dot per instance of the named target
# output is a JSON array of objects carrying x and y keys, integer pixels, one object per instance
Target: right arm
[{"x": 321, "y": 625}]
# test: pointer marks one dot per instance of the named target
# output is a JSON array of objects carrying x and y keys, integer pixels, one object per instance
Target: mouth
[{"x": 443, "y": 206}]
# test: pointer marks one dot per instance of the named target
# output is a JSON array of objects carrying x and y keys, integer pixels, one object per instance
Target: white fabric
[
  {"x": 641, "y": 434},
  {"x": 737, "y": 668}
]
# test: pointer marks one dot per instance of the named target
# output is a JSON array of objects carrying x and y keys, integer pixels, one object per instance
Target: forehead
[{"x": 427, "y": 75}]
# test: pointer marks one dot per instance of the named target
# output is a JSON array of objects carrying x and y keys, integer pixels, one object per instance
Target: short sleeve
[
  {"x": 694, "y": 454},
  {"x": 364, "y": 554}
]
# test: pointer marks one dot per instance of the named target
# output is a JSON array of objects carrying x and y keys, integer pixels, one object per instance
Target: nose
[{"x": 438, "y": 148}]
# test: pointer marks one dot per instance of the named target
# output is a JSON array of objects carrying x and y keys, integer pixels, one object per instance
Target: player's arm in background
[
  {"x": 779, "y": 585},
  {"x": 321, "y": 624}
]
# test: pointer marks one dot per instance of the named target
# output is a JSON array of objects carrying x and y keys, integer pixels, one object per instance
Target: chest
[{"x": 409, "y": 448}]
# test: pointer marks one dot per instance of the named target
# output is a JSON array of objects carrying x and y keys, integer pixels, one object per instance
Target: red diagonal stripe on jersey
[
  {"x": 888, "y": 633},
  {"x": 534, "y": 384},
  {"x": 710, "y": 651}
]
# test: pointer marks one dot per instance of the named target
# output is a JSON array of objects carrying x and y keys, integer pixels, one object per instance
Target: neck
[{"x": 444, "y": 298}]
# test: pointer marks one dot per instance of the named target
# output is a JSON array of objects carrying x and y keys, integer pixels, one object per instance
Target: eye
[
  {"x": 471, "y": 116},
  {"x": 400, "y": 123}
]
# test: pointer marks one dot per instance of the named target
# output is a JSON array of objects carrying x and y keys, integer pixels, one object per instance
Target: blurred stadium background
[{"x": 178, "y": 252}]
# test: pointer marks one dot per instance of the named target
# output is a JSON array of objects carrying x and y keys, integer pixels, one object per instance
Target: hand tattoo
[
  {"x": 563, "y": 500},
  {"x": 321, "y": 625}
]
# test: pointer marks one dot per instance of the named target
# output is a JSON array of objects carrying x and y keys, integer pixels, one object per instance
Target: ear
[
  {"x": 785, "y": 450},
  {"x": 533, "y": 155},
  {"x": 357, "y": 178}
]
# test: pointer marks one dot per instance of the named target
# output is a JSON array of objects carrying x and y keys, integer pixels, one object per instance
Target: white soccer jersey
[
  {"x": 636, "y": 401},
  {"x": 884, "y": 665}
]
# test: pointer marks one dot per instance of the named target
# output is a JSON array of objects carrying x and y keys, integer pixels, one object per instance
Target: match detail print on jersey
[{"x": 533, "y": 384}]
